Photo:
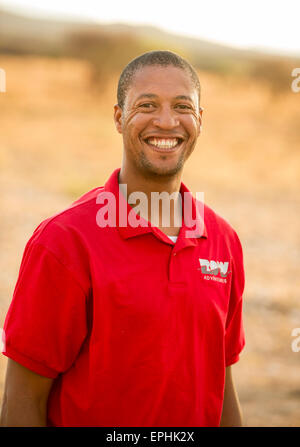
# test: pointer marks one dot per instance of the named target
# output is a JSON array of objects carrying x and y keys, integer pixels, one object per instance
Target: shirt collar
[{"x": 188, "y": 234}]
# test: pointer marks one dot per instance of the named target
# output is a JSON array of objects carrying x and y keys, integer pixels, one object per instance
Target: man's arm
[
  {"x": 231, "y": 414},
  {"x": 25, "y": 397}
]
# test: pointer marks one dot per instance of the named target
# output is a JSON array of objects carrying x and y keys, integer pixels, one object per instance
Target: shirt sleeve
[
  {"x": 46, "y": 322},
  {"x": 235, "y": 334}
]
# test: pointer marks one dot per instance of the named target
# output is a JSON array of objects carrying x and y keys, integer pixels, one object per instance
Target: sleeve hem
[
  {"x": 235, "y": 357},
  {"x": 232, "y": 360},
  {"x": 34, "y": 366}
]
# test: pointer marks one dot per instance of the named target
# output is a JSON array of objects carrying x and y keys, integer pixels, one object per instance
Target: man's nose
[{"x": 166, "y": 118}]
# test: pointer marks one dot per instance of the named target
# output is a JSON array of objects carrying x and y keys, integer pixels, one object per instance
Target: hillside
[{"x": 118, "y": 43}]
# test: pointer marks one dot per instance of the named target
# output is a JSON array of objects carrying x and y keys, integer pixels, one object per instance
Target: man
[{"x": 115, "y": 320}]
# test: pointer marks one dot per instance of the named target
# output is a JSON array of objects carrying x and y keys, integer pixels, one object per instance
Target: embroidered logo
[{"x": 214, "y": 270}]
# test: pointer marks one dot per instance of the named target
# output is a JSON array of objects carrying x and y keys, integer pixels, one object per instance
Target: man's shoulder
[
  {"x": 88, "y": 196},
  {"x": 215, "y": 221},
  {"x": 71, "y": 221},
  {"x": 63, "y": 239},
  {"x": 218, "y": 226}
]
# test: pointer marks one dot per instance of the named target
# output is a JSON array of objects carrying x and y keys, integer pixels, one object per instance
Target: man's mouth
[{"x": 163, "y": 144}]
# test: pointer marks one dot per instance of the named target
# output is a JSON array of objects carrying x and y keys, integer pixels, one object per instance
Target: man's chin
[
  {"x": 162, "y": 166},
  {"x": 162, "y": 171}
]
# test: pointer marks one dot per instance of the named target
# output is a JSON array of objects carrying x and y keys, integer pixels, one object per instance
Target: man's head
[
  {"x": 160, "y": 59},
  {"x": 158, "y": 112}
]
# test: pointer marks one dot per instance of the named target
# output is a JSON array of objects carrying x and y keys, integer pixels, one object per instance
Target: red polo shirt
[{"x": 135, "y": 330}]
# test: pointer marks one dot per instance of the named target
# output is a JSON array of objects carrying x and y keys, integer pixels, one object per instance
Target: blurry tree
[
  {"x": 107, "y": 52},
  {"x": 275, "y": 73}
]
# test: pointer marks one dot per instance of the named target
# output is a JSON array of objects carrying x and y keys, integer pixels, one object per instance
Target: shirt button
[{"x": 174, "y": 254}]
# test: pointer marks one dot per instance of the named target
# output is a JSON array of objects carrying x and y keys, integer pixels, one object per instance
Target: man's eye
[
  {"x": 184, "y": 107},
  {"x": 146, "y": 105}
]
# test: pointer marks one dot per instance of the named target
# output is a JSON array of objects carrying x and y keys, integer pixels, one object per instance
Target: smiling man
[{"x": 131, "y": 324}]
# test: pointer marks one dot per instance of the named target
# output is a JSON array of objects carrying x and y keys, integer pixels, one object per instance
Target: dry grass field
[{"x": 57, "y": 140}]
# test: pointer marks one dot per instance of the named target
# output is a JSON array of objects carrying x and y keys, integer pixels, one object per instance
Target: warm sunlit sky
[{"x": 260, "y": 24}]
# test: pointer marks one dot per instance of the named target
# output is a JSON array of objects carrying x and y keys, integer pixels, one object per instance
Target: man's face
[{"x": 160, "y": 121}]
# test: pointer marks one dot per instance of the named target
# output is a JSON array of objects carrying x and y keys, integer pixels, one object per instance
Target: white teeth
[{"x": 163, "y": 143}]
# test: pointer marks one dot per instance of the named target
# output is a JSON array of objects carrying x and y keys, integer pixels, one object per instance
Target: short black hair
[{"x": 161, "y": 58}]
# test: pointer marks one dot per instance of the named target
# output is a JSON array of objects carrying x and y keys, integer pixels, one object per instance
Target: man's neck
[{"x": 136, "y": 181}]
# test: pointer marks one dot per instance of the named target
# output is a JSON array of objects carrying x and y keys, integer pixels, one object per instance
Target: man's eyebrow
[
  {"x": 147, "y": 95},
  {"x": 184, "y": 97},
  {"x": 152, "y": 95}
]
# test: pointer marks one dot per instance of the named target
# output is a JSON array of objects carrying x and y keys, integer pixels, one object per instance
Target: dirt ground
[{"x": 57, "y": 140}]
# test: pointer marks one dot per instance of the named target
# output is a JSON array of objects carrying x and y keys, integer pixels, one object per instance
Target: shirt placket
[{"x": 176, "y": 277}]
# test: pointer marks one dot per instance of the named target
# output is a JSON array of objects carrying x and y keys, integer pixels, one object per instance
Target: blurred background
[{"x": 57, "y": 140}]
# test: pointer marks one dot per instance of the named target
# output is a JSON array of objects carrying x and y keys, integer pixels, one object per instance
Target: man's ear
[{"x": 118, "y": 117}]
